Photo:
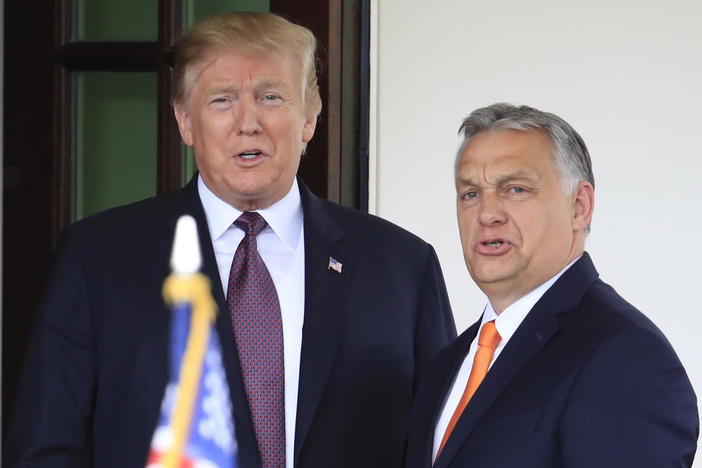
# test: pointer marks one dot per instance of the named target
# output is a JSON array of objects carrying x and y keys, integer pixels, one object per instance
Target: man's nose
[
  {"x": 247, "y": 118},
  {"x": 491, "y": 209}
]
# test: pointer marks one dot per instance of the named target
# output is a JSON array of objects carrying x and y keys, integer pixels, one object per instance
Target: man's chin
[
  {"x": 491, "y": 269},
  {"x": 492, "y": 279}
]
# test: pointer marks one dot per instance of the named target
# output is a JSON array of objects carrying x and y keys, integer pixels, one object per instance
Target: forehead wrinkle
[{"x": 496, "y": 174}]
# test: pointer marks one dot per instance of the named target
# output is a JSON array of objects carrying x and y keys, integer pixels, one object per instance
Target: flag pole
[{"x": 182, "y": 286}]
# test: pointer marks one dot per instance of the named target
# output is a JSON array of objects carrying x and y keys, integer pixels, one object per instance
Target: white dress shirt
[
  {"x": 282, "y": 248},
  {"x": 506, "y": 323}
]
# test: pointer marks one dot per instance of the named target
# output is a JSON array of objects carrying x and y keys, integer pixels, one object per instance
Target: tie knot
[
  {"x": 251, "y": 223},
  {"x": 489, "y": 336}
]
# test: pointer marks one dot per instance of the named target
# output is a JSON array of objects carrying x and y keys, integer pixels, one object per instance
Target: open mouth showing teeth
[
  {"x": 495, "y": 243},
  {"x": 250, "y": 154}
]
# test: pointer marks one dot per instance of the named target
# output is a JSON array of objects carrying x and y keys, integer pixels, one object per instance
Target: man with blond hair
[{"x": 350, "y": 304}]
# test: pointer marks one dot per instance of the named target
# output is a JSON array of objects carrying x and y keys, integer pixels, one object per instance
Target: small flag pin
[{"x": 334, "y": 264}]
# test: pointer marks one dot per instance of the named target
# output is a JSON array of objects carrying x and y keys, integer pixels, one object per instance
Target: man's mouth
[
  {"x": 493, "y": 247},
  {"x": 249, "y": 154},
  {"x": 495, "y": 243}
]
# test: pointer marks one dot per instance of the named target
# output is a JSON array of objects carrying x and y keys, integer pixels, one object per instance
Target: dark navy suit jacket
[
  {"x": 586, "y": 381},
  {"x": 97, "y": 365}
]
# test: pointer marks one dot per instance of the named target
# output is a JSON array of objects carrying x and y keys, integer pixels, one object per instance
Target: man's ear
[
  {"x": 308, "y": 129},
  {"x": 583, "y": 206},
  {"x": 182, "y": 115}
]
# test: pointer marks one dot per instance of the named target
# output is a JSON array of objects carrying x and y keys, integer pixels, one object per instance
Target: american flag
[
  {"x": 334, "y": 264},
  {"x": 210, "y": 442},
  {"x": 195, "y": 427}
]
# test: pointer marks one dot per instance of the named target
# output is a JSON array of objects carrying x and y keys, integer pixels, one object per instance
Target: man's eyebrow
[
  {"x": 501, "y": 179},
  {"x": 268, "y": 83},
  {"x": 223, "y": 89},
  {"x": 464, "y": 181},
  {"x": 518, "y": 175}
]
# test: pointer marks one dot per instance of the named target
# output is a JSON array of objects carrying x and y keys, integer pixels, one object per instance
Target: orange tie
[{"x": 488, "y": 341}]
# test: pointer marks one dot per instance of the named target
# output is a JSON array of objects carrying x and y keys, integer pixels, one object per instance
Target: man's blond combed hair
[{"x": 247, "y": 32}]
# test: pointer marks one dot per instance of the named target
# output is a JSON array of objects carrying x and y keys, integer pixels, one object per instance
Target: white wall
[{"x": 627, "y": 74}]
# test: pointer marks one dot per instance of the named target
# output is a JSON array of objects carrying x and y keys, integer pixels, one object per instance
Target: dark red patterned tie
[{"x": 255, "y": 313}]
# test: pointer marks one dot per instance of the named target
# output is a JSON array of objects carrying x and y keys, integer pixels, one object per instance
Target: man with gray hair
[{"x": 559, "y": 370}]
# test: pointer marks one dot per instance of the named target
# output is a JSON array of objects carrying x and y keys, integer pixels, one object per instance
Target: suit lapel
[
  {"x": 324, "y": 308},
  {"x": 531, "y": 336},
  {"x": 447, "y": 379},
  {"x": 442, "y": 382},
  {"x": 187, "y": 201}
]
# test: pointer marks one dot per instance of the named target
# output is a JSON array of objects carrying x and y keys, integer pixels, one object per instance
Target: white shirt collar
[
  {"x": 284, "y": 217},
  {"x": 509, "y": 320}
]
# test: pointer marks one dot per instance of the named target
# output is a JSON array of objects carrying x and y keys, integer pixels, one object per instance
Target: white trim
[{"x": 373, "y": 111}]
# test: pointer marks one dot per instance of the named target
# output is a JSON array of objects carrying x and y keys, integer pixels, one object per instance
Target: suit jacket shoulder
[
  {"x": 96, "y": 366},
  {"x": 367, "y": 328},
  {"x": 358, "y": 224}
]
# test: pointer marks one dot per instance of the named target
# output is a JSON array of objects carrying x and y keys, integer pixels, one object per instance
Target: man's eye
[
  {"x": 271, "y": 98},
  {"x": 470, "y": 195},
  {"x": 517, "y": 189}
]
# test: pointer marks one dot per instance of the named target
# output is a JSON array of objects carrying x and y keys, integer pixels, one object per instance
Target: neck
[{"x": 502, "y": 298}]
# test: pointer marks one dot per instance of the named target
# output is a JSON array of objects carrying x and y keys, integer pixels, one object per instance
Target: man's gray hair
[{"x": 572, "y": 158}]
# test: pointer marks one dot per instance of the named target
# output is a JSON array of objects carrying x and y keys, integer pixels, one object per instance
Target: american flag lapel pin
[{"x": 334, "y": 264}]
